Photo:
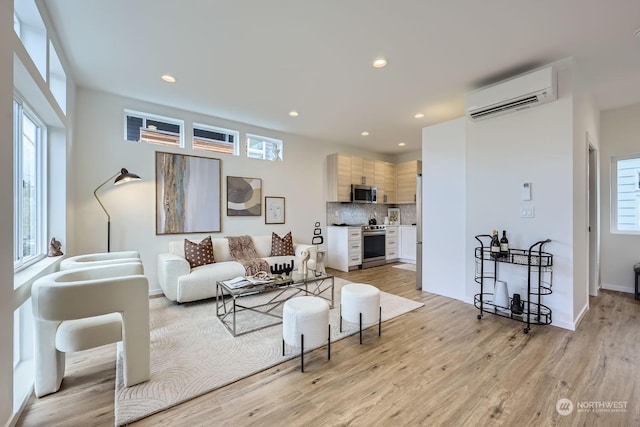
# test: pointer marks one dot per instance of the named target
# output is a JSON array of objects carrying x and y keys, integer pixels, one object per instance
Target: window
[
  {"x": 142, "y": 127},
  {"x": 261, "y": 147},
  {"x": 29, "y": 187},
  {"x": 215, "y": 139},
  {"x": 625, "y": 194}
]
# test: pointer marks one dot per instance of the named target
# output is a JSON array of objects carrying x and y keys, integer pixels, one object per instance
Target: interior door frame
[{"x": 593, "y": 217}]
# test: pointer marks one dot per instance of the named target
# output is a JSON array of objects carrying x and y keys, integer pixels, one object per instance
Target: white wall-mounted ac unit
[{"x": 528, "y": 90}]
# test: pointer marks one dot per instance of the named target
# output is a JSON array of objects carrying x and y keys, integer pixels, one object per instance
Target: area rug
[
  {"x": 410, "y": 267},
  {"x": 192, "y": 353}
]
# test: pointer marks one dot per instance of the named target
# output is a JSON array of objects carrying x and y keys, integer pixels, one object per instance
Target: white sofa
[{"x": 179, "y": 282}]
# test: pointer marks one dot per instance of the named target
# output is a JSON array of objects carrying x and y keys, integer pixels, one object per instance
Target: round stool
[
  {"x": 305, "y": 322},
  {"x": 360, "y": 303}
]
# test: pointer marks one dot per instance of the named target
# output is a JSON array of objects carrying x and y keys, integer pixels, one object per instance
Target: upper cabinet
[
  {"x": 406, "y": 184},
  {"x": 344, "y": 170},
  {"x": 339, "y": 178}
]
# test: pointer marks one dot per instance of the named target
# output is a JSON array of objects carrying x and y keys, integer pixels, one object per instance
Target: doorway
[{"x": 593, "y": 212}]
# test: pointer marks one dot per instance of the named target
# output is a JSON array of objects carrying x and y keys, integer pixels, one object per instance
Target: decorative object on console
[
  {"x": 517, "y": 306},
  {"x": 198, "y": 254},
  {"x": 317, "y": 235},
  {"x": 121, "y": 177},
  {"x": 282, "y": 269},
  {"x": 304, "y": 259},
  {"x": 187, "y": 194},
  {"x": 54, "y": 248},
  {"x": 274, "y": 210},
  {"x": 244, "y": 196},
  {"x": 501, "y": 295},
  {"x": 282, "y": 246},
  {"x": 394, "y": 216}
]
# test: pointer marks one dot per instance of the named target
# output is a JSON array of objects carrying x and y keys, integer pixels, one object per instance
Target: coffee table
[{"x": 280, "y": 290}]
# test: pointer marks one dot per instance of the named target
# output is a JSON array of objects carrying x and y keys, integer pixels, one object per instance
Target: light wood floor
[{"x": 438, "y": 365}]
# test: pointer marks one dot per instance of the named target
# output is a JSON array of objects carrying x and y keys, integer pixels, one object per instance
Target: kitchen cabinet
[
  {"x": 362, "y": 171},
  {"x": 406, "y": 174},
  {"x": 339, "y": 167},
  {"x": 408, "y": 243},
  {"x": 392, "y": 243},
  {"x": 344, "y": 248},
  {"x": 390, "y": 183}
]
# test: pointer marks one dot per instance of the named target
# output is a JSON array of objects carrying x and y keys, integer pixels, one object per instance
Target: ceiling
[{"x": 253, "y": 61}]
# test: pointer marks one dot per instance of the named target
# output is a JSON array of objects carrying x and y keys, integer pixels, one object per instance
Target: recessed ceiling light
[
  {"x": 379, "y": 62},
  {"x": 419, "y": 116},
  {"x": 402, "y": 144},
  {"x": 152, "y": 127},
  {"x": 294, "y": 113},
  {"x": 365, "y": 133},
  {"x": 168, "y": 78}
]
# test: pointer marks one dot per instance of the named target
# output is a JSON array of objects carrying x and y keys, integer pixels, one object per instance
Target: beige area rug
[
  {"x": 192, "y": 353},
  {"x": 410, "y": 267}
]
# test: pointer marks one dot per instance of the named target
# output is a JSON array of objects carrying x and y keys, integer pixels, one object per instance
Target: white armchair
[
  {"x": 78, "y": 309},
  {"x": 99, "y": 259}
]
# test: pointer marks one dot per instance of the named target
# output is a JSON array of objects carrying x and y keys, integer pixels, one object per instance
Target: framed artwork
[
  {"x": 244, "y": 196},
  {"x": 274, "y": 210},
  {"x": 188, "y": 190},
  {"x": 394, "y": 216}
]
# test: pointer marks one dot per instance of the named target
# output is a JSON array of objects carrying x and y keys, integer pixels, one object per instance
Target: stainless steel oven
[{"x": 373, "y": 246}]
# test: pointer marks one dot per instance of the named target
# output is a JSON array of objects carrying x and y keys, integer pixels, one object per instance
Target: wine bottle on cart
[
  {"x": 504, "y": 245},
  {"x": 495, "y": 245}
]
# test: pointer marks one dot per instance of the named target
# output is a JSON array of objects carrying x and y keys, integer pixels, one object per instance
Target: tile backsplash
[{"x": 360, "y": 213}]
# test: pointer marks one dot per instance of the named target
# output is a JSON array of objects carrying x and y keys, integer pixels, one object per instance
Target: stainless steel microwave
[{"x": 364, "y": 194}]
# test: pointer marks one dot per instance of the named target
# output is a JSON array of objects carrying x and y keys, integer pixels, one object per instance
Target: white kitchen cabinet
[
  {"x": 408, "y": 243},
  {"x": 344, "y": 248},
  {"x": 392, "y": 244}
]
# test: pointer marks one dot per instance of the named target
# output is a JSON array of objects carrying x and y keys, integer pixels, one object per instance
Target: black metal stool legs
[
  {"x": 329, "y": 345},
  {"x": 301, "y": 352},
  {"x": 380, "y": 323}
]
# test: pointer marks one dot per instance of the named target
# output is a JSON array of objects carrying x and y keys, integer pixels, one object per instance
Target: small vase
[{"x": 501, "y": 295}]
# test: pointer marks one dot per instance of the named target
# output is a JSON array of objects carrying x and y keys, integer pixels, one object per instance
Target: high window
[
  {"x": 261, "y": 147},
  {"x": 152, "y": 129},
  {"x": 625, "y": 194},
  {"x": 29, "y": 186},
  {"x": 215, "y": 139}
]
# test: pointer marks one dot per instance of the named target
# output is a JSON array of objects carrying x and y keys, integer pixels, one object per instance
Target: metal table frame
[{"x": 316, "y": 286}]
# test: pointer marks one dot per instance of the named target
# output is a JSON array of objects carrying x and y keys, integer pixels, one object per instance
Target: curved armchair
[
  {"x": 78, "y": 309},
  {"x": 99, "y": 259}
]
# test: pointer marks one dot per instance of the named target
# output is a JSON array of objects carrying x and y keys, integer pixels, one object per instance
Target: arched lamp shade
[
  {"x": 125, "y": 177},
  {"x": 120, "y": 178}
]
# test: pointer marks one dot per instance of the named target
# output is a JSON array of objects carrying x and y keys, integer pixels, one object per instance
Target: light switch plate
[
  {"x": 526, "y": 191},
  {"x": 527, "y": 212}
]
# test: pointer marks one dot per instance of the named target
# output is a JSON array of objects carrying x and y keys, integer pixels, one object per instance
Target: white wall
[
  {"x": 443, "y": 216},
  {"x": 619, "y": 136},
  {"x": 100, "y": 150},
  {"x": 484, "y": 180},
  {"x": 586, "y": 128},
  {"x": 6, "y": 211}
]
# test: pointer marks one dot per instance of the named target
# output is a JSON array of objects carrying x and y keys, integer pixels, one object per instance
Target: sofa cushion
[
  {"x": 281, "y": 246},
  {"x": 198, "y": 254},
  {"x": 241, "y": 247}
]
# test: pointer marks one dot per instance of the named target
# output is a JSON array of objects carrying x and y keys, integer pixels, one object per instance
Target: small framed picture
[
  {"x": 273, "y": 210},
  {"x": 394, "y": 216}
]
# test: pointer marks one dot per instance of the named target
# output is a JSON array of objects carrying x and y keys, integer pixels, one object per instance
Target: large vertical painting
[
  {"x": 244, "y": 196},
  {"x": 187, "y": 194}
]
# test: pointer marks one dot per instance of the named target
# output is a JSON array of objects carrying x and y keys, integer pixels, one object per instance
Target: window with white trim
[
  {"x": 264, "y": 148},
  {"x": 625, "y": 194},
  {"x": 152, "y": 129},
  {"x": 218, "y": 140},
  {"x": 29, "y": 185}
]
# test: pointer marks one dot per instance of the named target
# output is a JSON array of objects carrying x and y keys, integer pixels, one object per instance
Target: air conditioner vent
[{"x": 535, "y": 88}]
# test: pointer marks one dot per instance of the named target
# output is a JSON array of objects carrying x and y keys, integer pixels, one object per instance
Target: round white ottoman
[
  {"x": 360, "y": 303},
  {"x": 305, "y": 324}
]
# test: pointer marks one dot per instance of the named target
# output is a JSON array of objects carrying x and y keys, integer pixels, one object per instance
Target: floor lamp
[{"x": 121, "y": 177}]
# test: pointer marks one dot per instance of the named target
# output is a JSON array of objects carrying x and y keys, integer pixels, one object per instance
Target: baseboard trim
[
  {"x": 583, "y": 313},
  {"x": 13, "y": 420},
  {"x": 155, "y": 292},
  {"x": 617, "y": 288}
]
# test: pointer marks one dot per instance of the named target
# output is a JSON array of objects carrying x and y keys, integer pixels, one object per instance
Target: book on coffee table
[{"x": 241, "y": 281}]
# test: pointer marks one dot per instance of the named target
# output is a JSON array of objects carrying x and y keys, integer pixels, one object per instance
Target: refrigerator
[{"x": 419, "y": 232}]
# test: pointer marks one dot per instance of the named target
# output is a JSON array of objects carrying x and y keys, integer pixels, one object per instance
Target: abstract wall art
[
  {"x": 188, "y": 193},
  {"x": 244, "y": 196}
]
